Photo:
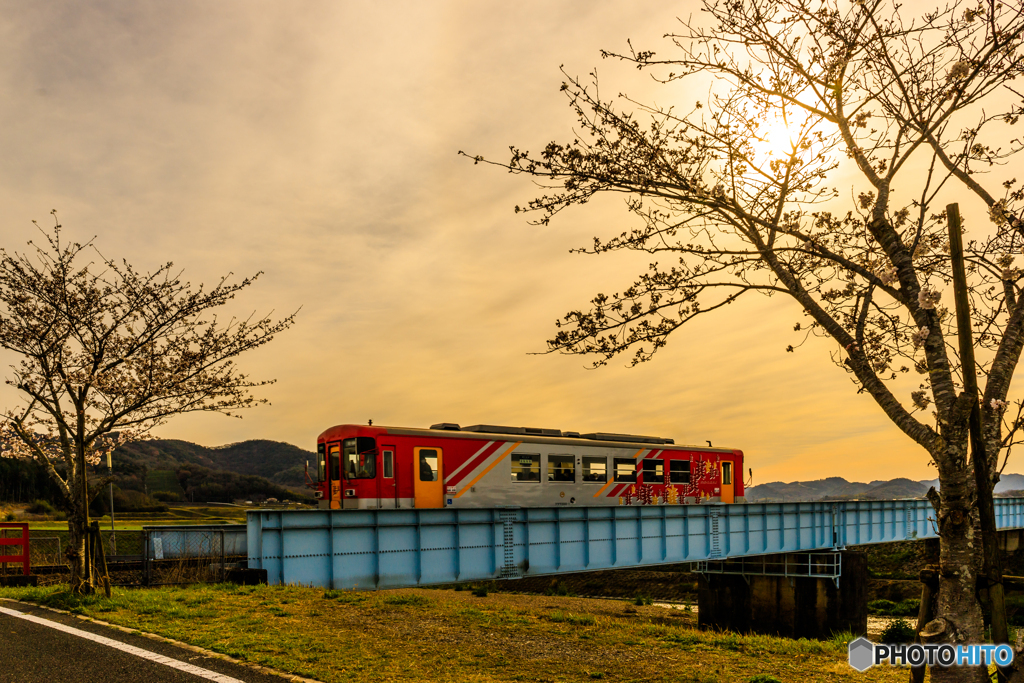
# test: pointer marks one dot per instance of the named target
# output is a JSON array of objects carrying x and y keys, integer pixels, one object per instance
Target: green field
[
  {"x": 213, "y": 514},
  {"x": 444, "y": 635}
]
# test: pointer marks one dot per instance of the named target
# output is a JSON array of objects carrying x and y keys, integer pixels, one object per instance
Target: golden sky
[{"x": 316, "y": 141}]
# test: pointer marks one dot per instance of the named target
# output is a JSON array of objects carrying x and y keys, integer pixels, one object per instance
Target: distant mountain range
[
  {"x": 279, "y": 463},
  {"x": 837, "y": 488}
]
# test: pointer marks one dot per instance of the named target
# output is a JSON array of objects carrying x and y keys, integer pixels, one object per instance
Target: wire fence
[
  {"x": 176, "y": 555},
  {"x": 152, "y": 556}
]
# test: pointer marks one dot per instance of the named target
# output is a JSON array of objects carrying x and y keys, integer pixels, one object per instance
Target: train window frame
[
  {"x": 630, "y": 476},
  {"x": 422, "y": 460},
  {"x": 651, "y": 467},
  {"x": 364, "y": 468},
  {"x": 321, "y": 459},
  {"x": 679, "y": 471},
  {"x": 388, "y": 463},
  {"x": 727, "y": 472},
  {"x": 334, "y": 461},
  {"x": 562, "y": 459},
  {"x": 588, "y": 462},
  {"x": 517, "y": 459}
]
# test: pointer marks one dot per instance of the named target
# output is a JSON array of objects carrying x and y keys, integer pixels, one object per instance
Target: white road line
[{"x": 138, "y": 652}]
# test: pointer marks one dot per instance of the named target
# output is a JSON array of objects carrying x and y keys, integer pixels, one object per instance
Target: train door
[
  {"x": 388, "y": 480},
  {"x": 428, "y": 483},
  {"x": 727, "y": 485},
  {"x": 334, "y": 476}
]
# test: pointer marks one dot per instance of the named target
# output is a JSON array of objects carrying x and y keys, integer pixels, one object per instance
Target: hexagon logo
[{"x": 862, "y": 654}]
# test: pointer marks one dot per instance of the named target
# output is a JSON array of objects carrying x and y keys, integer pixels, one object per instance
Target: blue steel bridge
[{"x": 375, "y": 549}]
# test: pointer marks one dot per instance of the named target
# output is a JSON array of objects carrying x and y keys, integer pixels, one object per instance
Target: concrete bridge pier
[
  {"x": 792, "y": 606},
  {"x": 1009, "y": 540}
]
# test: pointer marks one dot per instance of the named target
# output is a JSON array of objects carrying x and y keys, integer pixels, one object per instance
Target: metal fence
[
  {"x": 159, "y": 555},
  {"x": 192, "y": 554},
  {"x": 813, "y": 565},
  {"x": 46, "y": 551}
]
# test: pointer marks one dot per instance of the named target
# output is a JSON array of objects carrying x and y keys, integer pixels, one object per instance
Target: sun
[{"x": 774, "y": 138}]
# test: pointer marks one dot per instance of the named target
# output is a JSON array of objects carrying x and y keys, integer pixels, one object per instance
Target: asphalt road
[{"x": 32, "y": 652}]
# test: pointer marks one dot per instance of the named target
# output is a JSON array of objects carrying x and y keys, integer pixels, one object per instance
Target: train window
[
  {"x": 360, "y": 456},
  {"x": 726, "y": 473},
  {"x": 561, "y": 468},
  {"x": 389, "y": 464},
  {"x": 321, "y": 458},
  {"x": 595, "y": 469},
  {"x": 334, "y": 458},
  {"x": 625, "y": 469},
  {"x": 428, "y": 464},
  {"x": 679, "y": 471},
  {"x": 654, "y": 471},
  {"x": 525, "y": 467}
]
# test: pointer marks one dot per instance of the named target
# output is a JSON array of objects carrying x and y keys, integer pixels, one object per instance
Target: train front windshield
[{"x": 359, "y": 458}]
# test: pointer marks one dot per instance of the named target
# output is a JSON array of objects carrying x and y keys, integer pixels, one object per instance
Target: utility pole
[
  {"x": 87, "y": 574},
  {"x": 113, "y": 534},
  {"x": 992, "y": 569}
]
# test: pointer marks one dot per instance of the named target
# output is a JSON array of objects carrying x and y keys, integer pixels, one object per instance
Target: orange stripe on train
[
  {"x": 477, "y": 460},
  {"x": 488, "y": 469}
]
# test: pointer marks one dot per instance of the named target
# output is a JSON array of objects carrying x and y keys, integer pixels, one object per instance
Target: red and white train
[{"x": 370, "y": 467}]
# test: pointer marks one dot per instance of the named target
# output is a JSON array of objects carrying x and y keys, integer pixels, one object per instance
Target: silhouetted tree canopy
[
  {"x": 107, "y": 352},
  {"x": 883, "y": 119}
]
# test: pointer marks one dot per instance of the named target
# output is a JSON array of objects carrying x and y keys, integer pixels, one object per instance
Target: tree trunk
[
  {"x": 77, "y": 554},
  {"x": 78, "y": 536},
  {"x": 957, "y": 606}
]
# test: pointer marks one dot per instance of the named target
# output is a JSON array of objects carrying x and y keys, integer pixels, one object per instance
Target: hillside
[
  {"x": 279, "y": 463},
  {"x": 837, "y": 488}
]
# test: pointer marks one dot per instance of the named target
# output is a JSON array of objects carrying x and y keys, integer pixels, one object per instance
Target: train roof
[{"x": 534, "y": 435}]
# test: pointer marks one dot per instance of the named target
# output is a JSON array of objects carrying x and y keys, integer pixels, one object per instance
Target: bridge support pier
[{"x": 789, "y": 606}]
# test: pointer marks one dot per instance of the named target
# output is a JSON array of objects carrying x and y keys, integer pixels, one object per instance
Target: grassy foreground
[{"x": 444, "y": 635}]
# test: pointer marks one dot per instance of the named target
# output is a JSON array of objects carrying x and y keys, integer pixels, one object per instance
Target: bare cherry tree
[
  {"x": 107, "y": 352},
  {"x": 743, "y": 193}
]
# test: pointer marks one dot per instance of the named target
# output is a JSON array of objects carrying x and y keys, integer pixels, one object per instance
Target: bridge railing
[{"x": 368, "y": 549}]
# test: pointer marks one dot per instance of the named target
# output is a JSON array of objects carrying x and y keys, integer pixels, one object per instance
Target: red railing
[{"x": 21, "y": 558}]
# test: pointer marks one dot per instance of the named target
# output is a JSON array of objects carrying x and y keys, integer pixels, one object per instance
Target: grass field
[
  {"x": 133, "y": 521},
  {"x": 136, "y": 523},
  {"x": 445, "y": 635}
]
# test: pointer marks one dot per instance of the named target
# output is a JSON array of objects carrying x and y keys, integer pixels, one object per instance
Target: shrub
[
  {"x": 480, "y": 592},
  {"x": 763, "y": 678},
  {"x": 642, "y": 599},
  {"x": 898, "y": 631},
  {"x": 41, "y": 507},
  {"x": 558, "y": 588},
  {"x": 880, "y": 606}
]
